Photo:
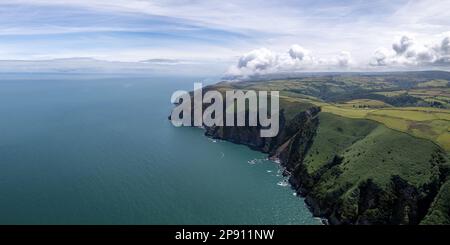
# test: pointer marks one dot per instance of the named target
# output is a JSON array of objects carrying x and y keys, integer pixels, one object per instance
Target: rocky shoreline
[{"x": 280, "y": 149}]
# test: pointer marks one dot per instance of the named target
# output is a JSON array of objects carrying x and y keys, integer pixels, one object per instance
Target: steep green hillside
[
  {"x": 333, "y": 136},
  {"x": 361, "y": 172}
]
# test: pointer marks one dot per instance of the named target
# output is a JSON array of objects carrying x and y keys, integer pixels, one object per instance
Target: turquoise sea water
[{"x": 93, "y": 150}]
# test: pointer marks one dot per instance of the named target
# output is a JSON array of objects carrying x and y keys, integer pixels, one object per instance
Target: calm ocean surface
[{"x": 93, "y": 150}]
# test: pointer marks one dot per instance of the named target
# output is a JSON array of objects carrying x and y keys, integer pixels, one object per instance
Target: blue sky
[{"x": 350, "y": 33}]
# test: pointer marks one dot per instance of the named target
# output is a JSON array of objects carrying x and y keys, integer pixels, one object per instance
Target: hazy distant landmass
[{"x": 86, "y": 65}]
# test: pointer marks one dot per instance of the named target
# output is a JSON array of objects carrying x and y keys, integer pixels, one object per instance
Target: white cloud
[
  {"x": 403, "y": 45},
  {"x": 408, "y": 52},
  {"x": 264, "y": 61},
  {"x": 381, "y": 57},
  {"x": 445, "y": 45},
  {"x": 344, "y": 59},
  {"x": 258, "y": 59},
  {"x": 298, "y": 52}
]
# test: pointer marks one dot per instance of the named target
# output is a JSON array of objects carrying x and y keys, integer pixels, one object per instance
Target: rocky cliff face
[
  {"x": 365, "y": 202},
  {"x": 294, "y": 131}
]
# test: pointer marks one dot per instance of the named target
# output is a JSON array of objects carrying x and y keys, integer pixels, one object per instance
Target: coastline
[
  {"x": 300, "y": 192},
  {"x": 286, "y": 173},
  {"x": 299, "y": 132},
  {"x": 323, "y": 220}
]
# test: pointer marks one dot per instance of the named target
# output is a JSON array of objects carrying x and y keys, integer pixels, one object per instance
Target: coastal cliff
[
  {"x": 329, "y": 190},
  {"x": 352, "y": 167}
]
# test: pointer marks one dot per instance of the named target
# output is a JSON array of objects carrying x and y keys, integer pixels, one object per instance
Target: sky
[{"x": 240, "y": 37}]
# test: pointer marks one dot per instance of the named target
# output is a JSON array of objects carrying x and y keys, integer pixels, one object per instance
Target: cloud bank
[
  {"x": 408, "y": 52},
  {"x": 296, "y": 58}
]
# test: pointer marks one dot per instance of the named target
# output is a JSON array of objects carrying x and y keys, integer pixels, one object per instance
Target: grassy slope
[
  {"x": 384, "y": 153},
  {"x": 427, "y": 123},
  {"x": 335, "y": 134},
  {"x": 369, "y": 152}
]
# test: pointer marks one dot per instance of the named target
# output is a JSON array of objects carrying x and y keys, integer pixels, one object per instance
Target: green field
[{"x": 423, "y": 122}]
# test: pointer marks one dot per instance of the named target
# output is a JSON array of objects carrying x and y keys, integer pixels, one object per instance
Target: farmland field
[{"x": 417, "y": 106}]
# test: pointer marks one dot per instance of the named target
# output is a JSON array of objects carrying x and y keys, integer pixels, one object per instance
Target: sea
[{"x": 99, "y": 149}]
